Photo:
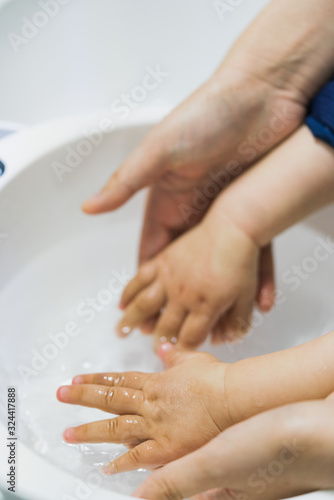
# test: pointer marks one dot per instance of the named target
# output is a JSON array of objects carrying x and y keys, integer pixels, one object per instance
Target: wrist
[
  {"x": 240, "y": 220},
  {"x": 300, "y": 66},
  {"x": 223, "y": 415},
  {"x": 234, "y": 386}
]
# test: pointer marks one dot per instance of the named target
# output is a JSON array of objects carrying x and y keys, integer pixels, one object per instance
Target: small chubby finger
[
  {"x": 127, "y": 430},
  {"x": 195, "y": 329},
  {"x": 169, "y": 324},
  {"x": 144, "y": 456},
  {"x": 132, "y": 380},
  {"x": 266, "y": 290},
  {"x": 146, "y": 274},
  {"x": 115, "y": 400},
  {"x": 147, "y": 328},
  {"x": 238, "y": 319},
  {"x": 219, "y": 331},
  {"x": 145, "y": 305}
]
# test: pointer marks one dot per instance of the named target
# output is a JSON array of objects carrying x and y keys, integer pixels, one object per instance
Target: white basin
[{"x": 53, "y": 258}]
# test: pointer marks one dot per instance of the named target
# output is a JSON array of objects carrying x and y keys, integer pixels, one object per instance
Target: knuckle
[
  {"x": 119, "y": 380},
  {"x": 147, "y": 271},
  {"x": 150, "y": 388},
  {"x": 134, "y": 457},
  {"x": 109, "y": 397},
  {"x": 201, "y": 299},
  {"x": 157, "y": 413},
  {"x": 112, "y": 428}
]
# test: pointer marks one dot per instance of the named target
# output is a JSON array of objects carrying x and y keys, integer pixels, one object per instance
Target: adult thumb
[
  {"x": 177, "y": 480},
  {"x": 142, "y": 168}
]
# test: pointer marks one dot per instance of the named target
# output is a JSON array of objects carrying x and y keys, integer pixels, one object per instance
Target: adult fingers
[
  {"x": 178, "y": 480},
  {"x": 143, "y": 167},
  {"x": 144, "y": 456}
]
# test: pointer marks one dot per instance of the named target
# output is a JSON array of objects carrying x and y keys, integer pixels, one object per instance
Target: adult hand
[
  {"x": 277, "y": 454},
  {"x": 261, "y": 84},
  {"x": 255, "y": 100}
]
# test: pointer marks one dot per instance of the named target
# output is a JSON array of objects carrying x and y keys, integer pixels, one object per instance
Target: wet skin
[{"x": 162, "y": 415}]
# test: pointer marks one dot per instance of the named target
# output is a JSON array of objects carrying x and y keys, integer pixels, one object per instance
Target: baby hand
[
  {"x": 208, "y": 274},
  {"x": 163, "y": 416}
]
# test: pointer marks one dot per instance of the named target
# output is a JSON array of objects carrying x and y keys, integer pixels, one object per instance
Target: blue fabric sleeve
[{"x": 321, "y": 114}]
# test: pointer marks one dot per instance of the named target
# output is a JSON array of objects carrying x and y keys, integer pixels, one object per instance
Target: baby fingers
[
  {"x": 195, "y": 329},
  {"x": 128, "y": 430},
  {"x": 145, "y": 305},
  {"x": 145, "y": 276},
  {"x": 133, "y": 380},
  {"x": 115, "y": 400},
  {"x": 169, "y": 324},
  {"x": 238, "y": 319}
]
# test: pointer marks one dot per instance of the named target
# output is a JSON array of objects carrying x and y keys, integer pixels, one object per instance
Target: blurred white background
[{"x": 91, "y": 51}]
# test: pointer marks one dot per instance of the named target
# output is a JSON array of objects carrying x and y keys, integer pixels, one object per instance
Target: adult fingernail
[{"x": 93, "y": 199}]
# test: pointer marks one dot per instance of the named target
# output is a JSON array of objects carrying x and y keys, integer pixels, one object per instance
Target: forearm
[
  {"x": 289, "y": 45},
  {"x": 287, "y": 185},
  {"x": 300, "y": 373}
]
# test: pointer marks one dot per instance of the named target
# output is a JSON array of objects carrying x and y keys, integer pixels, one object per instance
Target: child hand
[
  {"x": 163, "y": 415},
  {"x": 207, "y": 274}
]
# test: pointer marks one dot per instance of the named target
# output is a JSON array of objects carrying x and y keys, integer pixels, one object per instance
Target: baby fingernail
[
  {"x": 78, "y": 380},
  {"x": 166, "y": 347},
  {"x": 62, "y": 392},
  {"x": 68, "y": 435},
  {"x": 108, "y": 470},
  {"x": 124, "y": 331}
]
